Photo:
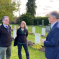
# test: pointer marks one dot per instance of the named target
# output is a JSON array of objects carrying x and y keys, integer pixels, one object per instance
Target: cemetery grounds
[{"x": 34, "y": 53}]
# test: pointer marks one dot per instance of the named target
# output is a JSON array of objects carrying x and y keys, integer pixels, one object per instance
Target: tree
[
  {"x": 7, "y": 8},
  {"x": 27, "y": 18},
  {"x": 46, "y": 15},
  {"x": 31, "y": 6}
]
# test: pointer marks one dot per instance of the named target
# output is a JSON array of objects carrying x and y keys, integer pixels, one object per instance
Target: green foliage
[
  {"x": 27, "y": 18},
  {"x": 39, "y": 20},
  {"x": 31, "y": 7},
  {"x": 7, "y": 8}
]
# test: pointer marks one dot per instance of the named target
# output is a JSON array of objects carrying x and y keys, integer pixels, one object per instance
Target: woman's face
[{"x": 22, "y": 25}]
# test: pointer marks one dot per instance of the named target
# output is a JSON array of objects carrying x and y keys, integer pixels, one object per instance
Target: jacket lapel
[
  {"x": 5, "y": 28},
  {"x": 51, "y": 29}
]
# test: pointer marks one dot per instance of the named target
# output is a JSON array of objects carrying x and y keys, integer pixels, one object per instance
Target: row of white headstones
[{"x": 37, "y": 35}]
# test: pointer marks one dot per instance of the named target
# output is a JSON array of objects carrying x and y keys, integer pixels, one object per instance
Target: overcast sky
[{"x": 43, "y": 7}]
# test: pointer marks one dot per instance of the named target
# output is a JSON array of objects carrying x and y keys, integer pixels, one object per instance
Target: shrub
[
  {"x": 37, "y": 46},
  {"x": 27, "y": 18}
]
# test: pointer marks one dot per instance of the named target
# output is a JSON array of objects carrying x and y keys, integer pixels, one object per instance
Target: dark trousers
[{"x": 25, "y": 48}]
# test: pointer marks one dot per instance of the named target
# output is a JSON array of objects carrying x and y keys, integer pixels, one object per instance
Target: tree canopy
[
  {"x": 7, "y": 7},
  {"x": 31, "y": 6}
]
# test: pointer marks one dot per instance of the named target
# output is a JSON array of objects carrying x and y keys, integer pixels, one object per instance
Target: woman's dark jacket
[{"x": 21, "y": 38}]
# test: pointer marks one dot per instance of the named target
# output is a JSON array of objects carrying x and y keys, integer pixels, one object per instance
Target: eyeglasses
[
  {"x": 6, "y": 20},
  {"x": 22, "y": 24}
]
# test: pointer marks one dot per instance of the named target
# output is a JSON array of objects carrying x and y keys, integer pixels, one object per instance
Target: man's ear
[
  {"x": 54, "y": 18},
  {"x": 2, "y": 20}
]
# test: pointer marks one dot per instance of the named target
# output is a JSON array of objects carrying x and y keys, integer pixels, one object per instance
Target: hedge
[{"x": 39, "y": 20}]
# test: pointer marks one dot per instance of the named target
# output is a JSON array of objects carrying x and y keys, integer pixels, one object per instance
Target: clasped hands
[{"x": 43, "y": 40}]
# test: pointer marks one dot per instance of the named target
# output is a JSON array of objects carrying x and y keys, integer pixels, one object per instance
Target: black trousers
[{"x": 25, "y": 48}]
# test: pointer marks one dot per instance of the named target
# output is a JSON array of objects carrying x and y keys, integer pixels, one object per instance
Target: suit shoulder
[
  {"x": 9, "y": 26},
  {"x": 18, "y": 29},
  {"x": 1, "y": 26},
  {"x": 57, "y": 25}
]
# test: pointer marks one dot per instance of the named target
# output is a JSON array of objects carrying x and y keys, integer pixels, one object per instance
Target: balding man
[
  {"x": 5, "y": 38},
  {"x": 52, "y": 41}
]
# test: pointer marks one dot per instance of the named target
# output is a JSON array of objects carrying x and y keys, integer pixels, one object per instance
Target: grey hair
[
  {"x": 55, "y": 14},
  {"x": 3, "y": 18}
]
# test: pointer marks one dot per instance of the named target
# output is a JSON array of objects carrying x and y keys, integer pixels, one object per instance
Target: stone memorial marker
[
  {"x": 11, "y": 26},
  {"x": 26, "y": 27},
  {"x": 47, "y": 28},
  {"x": 14, "y": 34},
  {"x": 15, "y": 27},
  {"x": 43, "y": 31},
  {"x": 33, "y": 30},
  {"x": 42, "y": 22},
  {"x": 37, "y": 38}
]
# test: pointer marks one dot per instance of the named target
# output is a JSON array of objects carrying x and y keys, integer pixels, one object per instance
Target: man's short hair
[
  {"x": 3, "y": 18},
  {"x": 55, "y": 14}
]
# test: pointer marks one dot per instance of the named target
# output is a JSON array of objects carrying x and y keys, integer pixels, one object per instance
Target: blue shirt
[
  {"x": 5, "y": 26},
  {"x": 53, "y": 24}
]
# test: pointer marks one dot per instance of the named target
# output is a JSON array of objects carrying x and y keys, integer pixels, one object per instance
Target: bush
[
  {"x": 27, "y": 18},
  {"x": 37, "y": 46},
  {"x": 39, "y": 20}
]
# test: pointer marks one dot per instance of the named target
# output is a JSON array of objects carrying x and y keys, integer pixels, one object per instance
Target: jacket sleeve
[
  {"x": 26, "y": 33},
  {"x": 54, "y": 39},
  {"x": 15, "y": 41},
  {"x": 0, "y": 31}
]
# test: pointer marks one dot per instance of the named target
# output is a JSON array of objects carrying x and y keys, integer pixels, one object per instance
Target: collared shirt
[
  {"x": 53, "y": 24},
  {"x": 5, "y": 26},
  {"x": 22, "y": 31}
]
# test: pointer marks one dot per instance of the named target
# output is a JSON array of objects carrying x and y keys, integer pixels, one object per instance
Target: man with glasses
[
  {"x": 51, "y": 42},
  {"x": 5, "y": 38}
]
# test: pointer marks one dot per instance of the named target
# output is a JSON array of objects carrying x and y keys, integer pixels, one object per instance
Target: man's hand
[{"x": 43, "y": 40}]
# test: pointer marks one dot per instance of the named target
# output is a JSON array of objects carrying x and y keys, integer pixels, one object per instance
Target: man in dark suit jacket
[
  {"x": 5, "y": 38},
  {"x": 52, "y": 40}
]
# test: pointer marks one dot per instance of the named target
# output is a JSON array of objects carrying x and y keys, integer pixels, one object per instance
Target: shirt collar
[
  {"x": 5, "y": 26},
  {"x": 53, "y": 24}
]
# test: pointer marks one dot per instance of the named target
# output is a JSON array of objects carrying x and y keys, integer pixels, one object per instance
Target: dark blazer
[
  {"x": 5, "y": 36},
  {"x": 21, "y": 38},
  {"x": 52, "y": 43}
]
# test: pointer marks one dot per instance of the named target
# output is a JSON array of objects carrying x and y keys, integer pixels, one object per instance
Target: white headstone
[
  {"x": 14, "y": 33},
  {"x": 37, "y": 38},
  {"x": 47, "y": 28},
  {"x": 42, "y": 22},
  {"x": 11, "y": 26},
  {"x": 43, "y": 31},
  {"x": 14, "y": 26},
  {"x": 26, "y": 27},
  {"x": 33, "y": 30}
]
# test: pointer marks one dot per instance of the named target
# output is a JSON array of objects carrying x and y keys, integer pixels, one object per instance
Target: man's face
[
  {"x": 50, "y": 19},
  {"x": 6, "y": 21}
]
